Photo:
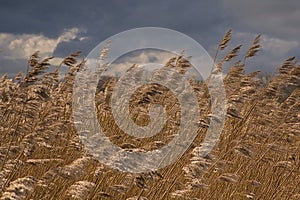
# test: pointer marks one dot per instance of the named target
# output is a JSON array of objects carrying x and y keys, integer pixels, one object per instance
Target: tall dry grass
[{"x": 257, "y": 157}]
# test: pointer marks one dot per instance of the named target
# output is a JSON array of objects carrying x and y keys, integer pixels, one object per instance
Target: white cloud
[
  {"x": 278, "y": 46},
  {"x": 149, "y": 59},
  {"x": 140, "y": 58},
  {"x": 21, "y": 46},
  {"x": 270, "y": 45}
]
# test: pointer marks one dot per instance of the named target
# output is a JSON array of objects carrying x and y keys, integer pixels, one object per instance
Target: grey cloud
[
  {"x": 11, "y": 67},
  {"x": 278, "y": 23},
  {"x": 272, "y": 17},
  {"x": 205, "y": 21},
  {"x": 102, "y": 18}
]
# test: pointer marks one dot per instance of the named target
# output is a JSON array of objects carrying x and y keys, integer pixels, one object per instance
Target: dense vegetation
[{"x": 257, "y": 157}]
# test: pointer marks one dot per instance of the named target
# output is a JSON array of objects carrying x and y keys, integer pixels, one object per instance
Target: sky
[{"x": 59, "y": 28}]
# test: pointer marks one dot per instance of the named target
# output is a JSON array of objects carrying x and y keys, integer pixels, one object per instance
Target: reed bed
[{"x": 257, "y": 157}]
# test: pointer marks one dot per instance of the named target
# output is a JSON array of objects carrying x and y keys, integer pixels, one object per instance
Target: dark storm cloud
[
  {"x": 198, "y": 20},
  {"x": 102, "y": 19},
  {"x": 205, "y": 21}
]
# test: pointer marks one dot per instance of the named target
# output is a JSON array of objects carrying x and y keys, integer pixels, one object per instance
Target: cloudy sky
[{"x": 62, "y": 27}]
